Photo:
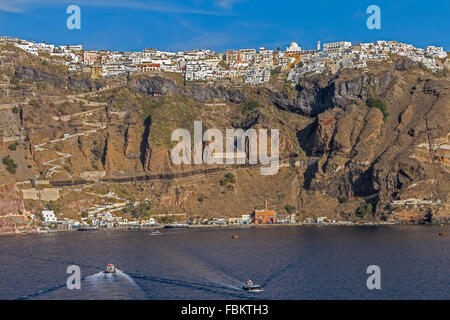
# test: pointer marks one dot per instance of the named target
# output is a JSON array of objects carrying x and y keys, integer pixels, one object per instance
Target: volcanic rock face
[
  {"x": 157, "y": 86},
  {"x": 342, "y": 149},
  {"x": 314, "y": 96},
  {"x": 35, "y": 74},
  {"x": 11, "y": 200},
  {"x": 154, "y": 86},
  {"x": 358, "y": 154},
  {"x": 252, "y": 120},
  {"x": 203, "y": 93}
]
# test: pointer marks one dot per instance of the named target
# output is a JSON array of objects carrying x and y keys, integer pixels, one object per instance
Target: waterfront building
[
  {"x": 48, "y": 216},
  {"x": 246, "y": 219},
  {"x": 321, "y": 219},
  {"x": 264, "y": 216}
]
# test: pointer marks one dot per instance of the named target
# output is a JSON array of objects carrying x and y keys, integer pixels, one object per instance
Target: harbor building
[
  {"x": 48, "y": 216},
  {"x": 264, "y": 216}
]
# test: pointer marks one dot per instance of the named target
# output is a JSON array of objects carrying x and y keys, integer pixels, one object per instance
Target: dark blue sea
[{"x": 298, "y": 262}]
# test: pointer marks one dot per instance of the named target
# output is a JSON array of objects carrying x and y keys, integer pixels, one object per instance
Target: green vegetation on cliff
[
  {"x": 11, "y": 166},
  {"x": 364, "y": 209},
  {"x": 228, "y": 178},
  {"x": 373, "y": 102}
]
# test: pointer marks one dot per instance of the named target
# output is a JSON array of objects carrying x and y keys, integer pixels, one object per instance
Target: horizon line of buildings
[{"x": 246, "y": 66}]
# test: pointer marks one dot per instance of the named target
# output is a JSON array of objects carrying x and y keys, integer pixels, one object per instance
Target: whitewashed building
[
  {"x": 48, "y": 216},
  {"x": 333, "y": 47},
  {"x": 434, "y": 52},
  {"x": 293, "y": 48}
]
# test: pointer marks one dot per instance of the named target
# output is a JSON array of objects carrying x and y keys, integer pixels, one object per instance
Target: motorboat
[
  {"x": 110, "y": 268},
  {"x": 249, "y": 286},
  {"x": 156, "y": 233}
]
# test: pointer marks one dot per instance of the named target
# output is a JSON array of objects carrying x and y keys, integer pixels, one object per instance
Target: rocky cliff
[
  {"x": 11, "y": 200},
  {"x": 348, "y": 139}
]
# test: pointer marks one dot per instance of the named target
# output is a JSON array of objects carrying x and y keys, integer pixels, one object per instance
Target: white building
[
  {"x": 293, "y": 48},
  {"x": 29, "y": 47},
  {"x": 433, "y": 51},
  {"x": 257, "y": 76},
  {"x": 246, "y": 219},
  {"x": 48, "y": 216},
  {"x": 333, "y": 47},
  {"x": 321, "y": 219}
]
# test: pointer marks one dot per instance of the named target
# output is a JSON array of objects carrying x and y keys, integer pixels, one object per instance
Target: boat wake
[
  {"x": 208, "y": 272},
  {"x": 100, "y": 285},
  {"x": 206, "y": 287},
  {"x": 235, "y": 287},
  {"x": 125, "y": 276},
  {"x": 94, "y": 278}
]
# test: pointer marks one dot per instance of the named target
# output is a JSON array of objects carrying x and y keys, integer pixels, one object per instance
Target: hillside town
[
  {"x": 238, "y": 67},
  {"x": 242, "y": 66}
]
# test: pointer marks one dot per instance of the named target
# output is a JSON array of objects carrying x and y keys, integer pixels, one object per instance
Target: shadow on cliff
[{"x": 144, "y": 142}]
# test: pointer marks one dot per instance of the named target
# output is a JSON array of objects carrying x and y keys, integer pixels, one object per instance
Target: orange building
[{"x": 264, "y": 216}]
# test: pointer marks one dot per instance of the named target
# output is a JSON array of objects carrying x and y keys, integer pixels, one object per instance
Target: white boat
[
  {"x": 251, "y": 287},
  {"x": 156, "y": 233}
]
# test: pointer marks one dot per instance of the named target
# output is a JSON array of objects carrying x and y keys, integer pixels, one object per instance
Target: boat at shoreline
[
  {"x": 90, "y": 228},
  {"x": 177, "y": 225},
  {"x": 134, "y": 227}
]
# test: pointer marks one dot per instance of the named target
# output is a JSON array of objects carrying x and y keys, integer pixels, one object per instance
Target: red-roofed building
[{"x": 145, "y": 67}]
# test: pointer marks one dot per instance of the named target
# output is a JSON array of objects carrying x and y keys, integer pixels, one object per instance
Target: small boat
[
  {"x": 442, "y": 234},
  {"x": 251, "y": 287},
  {"x": 177, "y": 225},
  {"x": 88, "y": 228},
  {"x": 235, "y": 236},
  {"x": 156, "y": 233},
  {"x": 110, "y": 268}
]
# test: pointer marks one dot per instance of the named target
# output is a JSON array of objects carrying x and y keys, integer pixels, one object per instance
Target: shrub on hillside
[
  {"x": 289, "y": 208},
  {"x": 13, "y": 146},
  {"x": 373, "y": 102},
  {"x": 228, "y": 178},
  {"x": 364, "y": 209},
  {"x": 11, "y": 166}
]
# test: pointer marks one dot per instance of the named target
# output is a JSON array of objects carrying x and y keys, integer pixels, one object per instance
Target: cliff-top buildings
[{"x": 238, "y": 66}]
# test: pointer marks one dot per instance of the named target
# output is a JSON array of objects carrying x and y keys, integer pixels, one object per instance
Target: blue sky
[{"x": 224, "y": 24}]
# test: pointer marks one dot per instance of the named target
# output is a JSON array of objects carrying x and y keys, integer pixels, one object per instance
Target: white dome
[{"x": 293, "y": 45}]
